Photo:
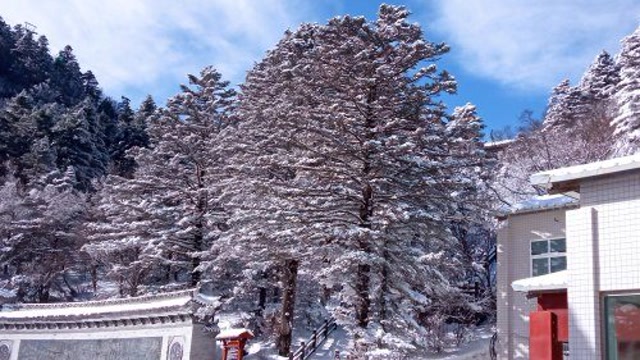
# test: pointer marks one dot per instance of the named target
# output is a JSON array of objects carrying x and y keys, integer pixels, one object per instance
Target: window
[
  {"x": 622, "y": 326},
  {"x": 548, "y": 256}
]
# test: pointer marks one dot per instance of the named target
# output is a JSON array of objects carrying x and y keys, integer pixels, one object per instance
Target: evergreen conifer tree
[
  {"x": 67, "y": 77},
  {"x": 39, "y": 239},
  {"x": 168, "y": 212},
  {"x": 344, "y": 166},
  {"x": 627, "y": 96}
]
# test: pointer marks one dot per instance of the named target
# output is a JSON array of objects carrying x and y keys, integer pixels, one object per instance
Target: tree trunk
[
  {"x": 363, "y": 272},
  {"x": 133, "y": 288},
  {"x": 363, "y": 300},
  {"x": 384, "y": 289},
  {"x": 363, "y": 303},
  {"x": 198, "y": 237},
  {"x": 289, "y": 282},
  {"x": 198, "y": 242},
  {"x": 195, "y": 274},
  {"x": 73, "y": 292},
  {"x": 325, "y": 295},
  {"x": 94, "y": 277},
  {"x": 43, "y": 293},
  {"x": 262, "y": 298}
]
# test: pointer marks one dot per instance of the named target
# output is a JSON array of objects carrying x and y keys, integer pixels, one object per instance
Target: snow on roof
[
  {"x": 233, "y": 333},
  {"x": 206, "y": 300},
  {"x": 553, "y": 281},
  {"x": 498, "y": 144},
  {"x": 540, "y": 203},
  {"x": 60, "y": 310},
  {"x": 547, "y": 178},
  {"x": 142, "y": 304}
]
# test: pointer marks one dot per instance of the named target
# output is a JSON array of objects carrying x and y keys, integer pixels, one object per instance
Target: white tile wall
[
  {"x": 513, "y": 264},
  {"x": 584, "y": 331},
  {"x": 604, "y": 254}
]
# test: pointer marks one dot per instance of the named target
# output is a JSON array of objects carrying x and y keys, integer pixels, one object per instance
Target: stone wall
[
  {"x": 151, "y": 327},
  {"x": 136, "y": 342},
  {"x": 148, "y": 348}
]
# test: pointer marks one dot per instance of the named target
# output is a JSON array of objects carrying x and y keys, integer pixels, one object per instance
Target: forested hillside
[
  {"x": 53, "y": 116},
  {"x": 333, "y": 182},
  {"x": 596, "y": 119}
]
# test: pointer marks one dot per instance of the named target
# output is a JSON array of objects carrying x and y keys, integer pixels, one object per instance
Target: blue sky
[{"x": 505, "y": 54}]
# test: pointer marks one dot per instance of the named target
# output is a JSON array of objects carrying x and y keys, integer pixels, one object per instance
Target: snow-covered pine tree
[
  {"x": 169, "y": 211},
  {"x": 39, "y": 241},
  {"x": 595, "y": 136},
  {"x": 144, "y": 115},
  {"x": 576, "y": 130},
  {"x": 31, "y": 63},
  {"x": 187, "y": 145},
  {"x": 469, "y": 224},
  {"x": 6, "y": 45},
  {"x": 123, "y": 222},
  {"x": 573, "y": 108},
  {"x": 559, "y": 108},
  {"x": 131, "y": 132},
  {"x": 67, "y": 77},
  {"x": 627, "y": 97},
  {"x": 90, "y": 86},
  {"x": 343, "y": 165},
  {"x": 471, "y": 217},
  {"x": 79, "y": 140},
  {"x": 16, "y": 128},
  {"x": 601, "y": 77}
]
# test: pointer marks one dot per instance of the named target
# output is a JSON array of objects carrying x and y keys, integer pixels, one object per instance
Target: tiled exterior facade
[
  {"x": 514, "y": 239},
  {"x": 584, "y": 319},
  {"x": 603, "y": 257}
]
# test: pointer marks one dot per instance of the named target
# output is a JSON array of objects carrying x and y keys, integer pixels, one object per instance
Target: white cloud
[
  {"x": 532, "y": 45},
  {"x": 148, "y": 46},
  {"x": 135, "y": 47}
]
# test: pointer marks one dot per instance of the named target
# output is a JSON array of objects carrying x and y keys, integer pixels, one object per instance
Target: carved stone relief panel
[
  {"x": 5, "y": 349},
  {"x": 176, "y": 348},
  {"x": 148, "y": 348}
]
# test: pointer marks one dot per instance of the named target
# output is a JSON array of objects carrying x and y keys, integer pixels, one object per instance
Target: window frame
[
  {"x": 547, "y": 255},
  {"x": 605, "y": 298}
]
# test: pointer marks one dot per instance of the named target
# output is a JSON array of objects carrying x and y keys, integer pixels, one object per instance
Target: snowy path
[
  {"x": 337, "y": 340},
  {"x": 477, "y": 349}
]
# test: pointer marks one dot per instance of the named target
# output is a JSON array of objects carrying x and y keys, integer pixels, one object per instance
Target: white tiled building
[
  {"x": 541, "y": 221},
  {"x": 602, "y": 280}
]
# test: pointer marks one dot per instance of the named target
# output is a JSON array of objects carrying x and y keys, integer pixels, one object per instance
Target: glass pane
[
  {"x": 622, "y": 314},
  {"x": 565, "y": 351},
  {"x": 558, "y": 263},
  {"x": 558, "y": 245},
  {"x": 540, "y": 266},
  {"x": 539, "y": 247}
]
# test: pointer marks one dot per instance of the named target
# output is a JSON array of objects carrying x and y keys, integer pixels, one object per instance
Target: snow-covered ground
[
  {"x": 337, "y": 340},
  {"x": 476, "y": 349}
]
